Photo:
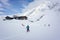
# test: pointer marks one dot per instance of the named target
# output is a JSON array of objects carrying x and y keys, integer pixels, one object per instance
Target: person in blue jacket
[{"x": 27, "y": 27}]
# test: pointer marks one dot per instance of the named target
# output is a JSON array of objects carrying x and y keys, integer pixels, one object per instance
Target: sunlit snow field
[{"x": 47, "y": 28}]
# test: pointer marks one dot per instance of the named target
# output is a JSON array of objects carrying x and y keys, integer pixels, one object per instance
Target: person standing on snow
[{"x": 27, "y": 28}]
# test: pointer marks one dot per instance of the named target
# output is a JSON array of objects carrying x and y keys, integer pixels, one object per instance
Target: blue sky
[{"x": 8, "y": 7}]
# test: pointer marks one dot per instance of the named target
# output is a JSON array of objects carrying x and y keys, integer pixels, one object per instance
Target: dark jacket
[{"x": 27, "y": 27}]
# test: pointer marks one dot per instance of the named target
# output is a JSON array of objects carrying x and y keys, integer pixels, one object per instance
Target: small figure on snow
[
  {"x": 49, "y": 25},
  {"x": 23, "y": 25},
  {"x": 27, "y": 28}
]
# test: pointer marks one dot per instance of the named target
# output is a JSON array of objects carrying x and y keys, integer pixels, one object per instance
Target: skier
[{"x": 27, "y": 28}]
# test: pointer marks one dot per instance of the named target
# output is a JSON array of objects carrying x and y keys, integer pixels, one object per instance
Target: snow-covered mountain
[
  {"x": 39, "y": 11},
  {"x": 45, "y": 25}
]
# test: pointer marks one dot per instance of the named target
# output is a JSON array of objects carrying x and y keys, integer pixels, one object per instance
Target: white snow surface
[{"x": 47, "y": 28}]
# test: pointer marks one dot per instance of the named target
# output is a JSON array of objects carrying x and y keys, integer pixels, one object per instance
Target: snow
[{"x": 47, "y": 28}]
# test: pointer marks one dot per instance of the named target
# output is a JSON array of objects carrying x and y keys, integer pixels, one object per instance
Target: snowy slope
[
  {"x": 47, "y": 28},
  {"x": 40, "y": 9}
]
